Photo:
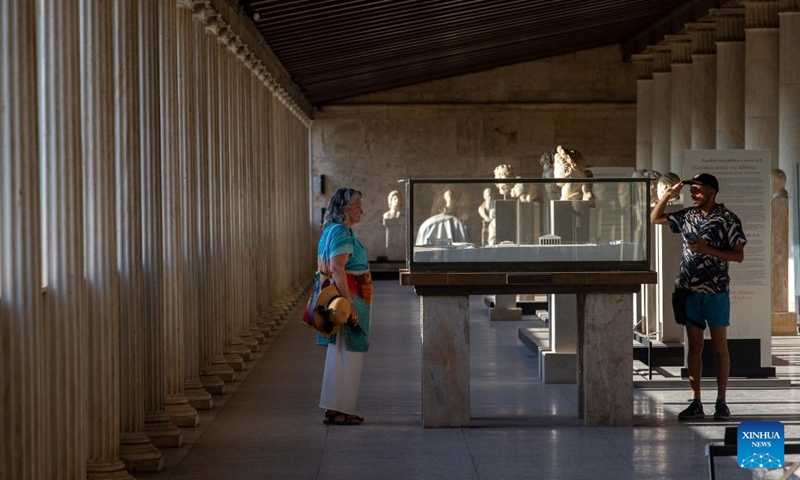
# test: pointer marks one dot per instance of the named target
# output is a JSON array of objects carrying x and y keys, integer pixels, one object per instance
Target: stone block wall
[{"x": 462, "y": 127}]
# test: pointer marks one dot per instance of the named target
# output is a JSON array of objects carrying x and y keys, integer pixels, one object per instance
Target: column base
[
  {"x": 239, "y": 349},
  {"x": 107, "y": 470},
  {"x": 212, "y": 383},
  {"x": 266, "y": 327},
  {"x": 784, "y": 324},
  {"x": 139, "y": 454},
  {"x": 250, "y": 342},
  {"x": 235, "y": 361},
  {"x": 258, "y": 335},
  {"x": 221, "y": 368},
  {"x": 181, "y": 413},
  {"x": 198, "y": 397},
  {"x": 161, "y": 431}
]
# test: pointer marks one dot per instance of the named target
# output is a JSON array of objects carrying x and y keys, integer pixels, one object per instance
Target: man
[{"x": 713, "y": 236}]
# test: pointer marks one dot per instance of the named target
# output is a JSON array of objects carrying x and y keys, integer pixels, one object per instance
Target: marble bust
[
  {"x": 778, "y": 184},
  {"x": 664, "y": 183},
  {"x": 394, "y": 206},
  {"x": 569, "y": 164},
  {"x": 504, "y": 171},
  {"x": 552, "y": 190},
  {"x": 523, "y": 194}
]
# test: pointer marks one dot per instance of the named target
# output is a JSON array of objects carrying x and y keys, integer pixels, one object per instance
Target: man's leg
[
  {"x": 719, "y": 339},
  {"x": 694, "y": 358}
]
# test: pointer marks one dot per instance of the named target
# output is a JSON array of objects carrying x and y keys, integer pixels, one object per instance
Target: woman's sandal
[{"x": 339, "y": 418}]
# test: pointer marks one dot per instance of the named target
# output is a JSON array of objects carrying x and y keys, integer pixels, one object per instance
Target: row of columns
[
  {"x": 732, "y": 82},
  {"x": 154, "y": 181},
  {"x": 737, "y": 76}
]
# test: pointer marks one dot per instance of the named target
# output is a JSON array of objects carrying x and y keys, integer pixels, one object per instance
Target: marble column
[
  {"x": 177, "y": 404},
  {"x": 644, "y": 110},
  {"x": 784, "y": 322},
  {"x": 205, "y": 108},
  {"x": 261, "y": 155},
  {"x": 99, "y": 170},
  {"x": 136, "y": 450},
  {"x": 680, "y": 99},
  {"x": 158, "y": 425},
  {"x": 240, "y": 54},
  {"x": 445, "y": 361},
  {"x": 789, "y": 95},
  {"x": 252, "y": 176},
  {"x": 218, "y": 298},
  {"x": 198, "y": 397},
  {"x": 730, "y": 77},
  {"x": 235, "y": 352},
  {"x": 762, "y": 48},
  {"x": 267, "y": 298},
  {"x": 25, "y": 450},
  {"x": 64, "y": 339},
  {"x": 704, "y": 85},
  {"x": 662, "y": 96}
]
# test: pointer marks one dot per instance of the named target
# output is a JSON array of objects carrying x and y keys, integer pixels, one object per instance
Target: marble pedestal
[
  {"x": 505, "y": 309},
  {"x": 558, "y": 364},
  {"x": 668, "y": 250},
  {"x": 604, "y": 304},
  {"x": 784, "y": 324},
  {"x": 445, "y": 361},
  {"x": 395, "y": 238}
]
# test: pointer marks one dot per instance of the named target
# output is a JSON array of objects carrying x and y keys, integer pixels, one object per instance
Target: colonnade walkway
[{"x": 270, "y": 426}]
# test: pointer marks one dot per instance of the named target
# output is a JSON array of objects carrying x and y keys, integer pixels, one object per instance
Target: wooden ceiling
[{"x": 336, "y": 49}]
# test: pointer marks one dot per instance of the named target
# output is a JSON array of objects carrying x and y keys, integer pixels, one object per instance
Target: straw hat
[{"x": 331, "y": 311}]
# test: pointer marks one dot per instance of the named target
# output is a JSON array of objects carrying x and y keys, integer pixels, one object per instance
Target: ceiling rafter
[{"x": 337, "y": 49}]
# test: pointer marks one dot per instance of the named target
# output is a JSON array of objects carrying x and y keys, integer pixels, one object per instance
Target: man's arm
[
  {"x": 735, "y": 254},
  {"x": 657, "y": 214}
]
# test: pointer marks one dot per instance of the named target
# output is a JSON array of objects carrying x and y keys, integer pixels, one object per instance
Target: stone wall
[{"x": 462, "y": 127}]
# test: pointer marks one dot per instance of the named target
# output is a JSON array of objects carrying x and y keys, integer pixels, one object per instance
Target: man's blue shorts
[{"x": 711, "y": 308}]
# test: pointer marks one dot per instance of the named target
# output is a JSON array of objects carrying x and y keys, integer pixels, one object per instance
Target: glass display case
[{"x": 536, "y": 225}]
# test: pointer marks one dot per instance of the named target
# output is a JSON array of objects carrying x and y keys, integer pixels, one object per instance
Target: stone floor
[{"x": 269, "y": 426}]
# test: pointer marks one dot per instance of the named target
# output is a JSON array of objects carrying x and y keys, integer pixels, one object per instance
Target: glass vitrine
[{"x": 485, "y": 225}]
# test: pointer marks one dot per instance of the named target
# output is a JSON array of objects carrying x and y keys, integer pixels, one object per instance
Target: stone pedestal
[
  {"x": 783, "y": 321},
  {"x": 445, "y": 361},
  {"x": 558, "y": 364},
  {"x": 569, "y": 220},
  {"x": 667, "y": 248},
  {"x": 505, "y": 309},
  {"x": 606, "y": 396},
  {"x": 395, "y": 238},
  {"x": 784, "y": 324}
]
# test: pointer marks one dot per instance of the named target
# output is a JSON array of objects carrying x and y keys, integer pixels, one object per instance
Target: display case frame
[{"x": 632, "y": 252}]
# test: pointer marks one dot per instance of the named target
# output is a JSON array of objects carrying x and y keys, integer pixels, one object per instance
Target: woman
[{"x": 341, "y": 257}]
